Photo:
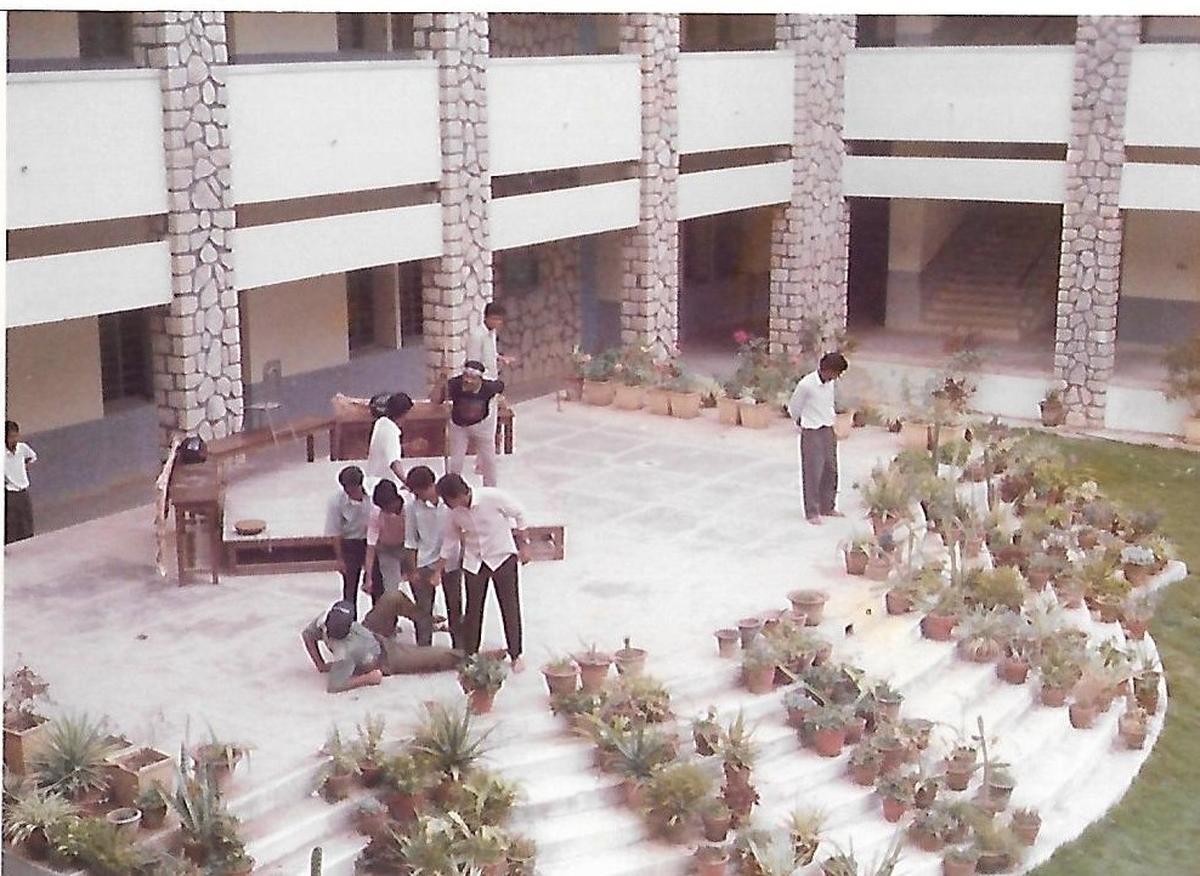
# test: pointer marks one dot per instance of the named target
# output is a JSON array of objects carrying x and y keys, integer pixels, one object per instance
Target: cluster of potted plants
[
  {"x": 426, "y": 804},
  {"x": 631, "y": 377}
]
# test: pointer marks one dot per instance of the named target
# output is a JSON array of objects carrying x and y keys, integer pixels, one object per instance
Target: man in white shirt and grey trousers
[
  {"x": 481, "y": 347},
  {"x": 812, "y": 408},
  {"x": 489, "y": 524}
]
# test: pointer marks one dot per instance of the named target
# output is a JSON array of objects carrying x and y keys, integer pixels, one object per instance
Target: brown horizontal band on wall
[
  {"x": 1162, "y": 154},
  {"x": 561, "y": 178},
  {"x": 47, "y": 240},
  {"x": 337, "y": 204},
  {"x": 727, "y": 158},
  {"x": 952, "y": 149}
]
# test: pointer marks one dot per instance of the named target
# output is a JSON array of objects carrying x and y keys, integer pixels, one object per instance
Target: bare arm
[{"x": 314, "y": 650}]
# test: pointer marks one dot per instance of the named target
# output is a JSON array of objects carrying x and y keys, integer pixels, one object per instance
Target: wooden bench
[{"x": 220, "y": 449}]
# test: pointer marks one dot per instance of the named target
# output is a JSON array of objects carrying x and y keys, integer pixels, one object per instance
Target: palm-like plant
[
  {"x": 642, "y": 751},
  {"x": 446, "y": 743},
  {"x": 36, "y": 810},
  {"x": 74, "y": 760}
]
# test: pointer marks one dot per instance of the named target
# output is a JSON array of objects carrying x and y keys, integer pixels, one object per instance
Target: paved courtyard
[{"x": 673, "y": 529}]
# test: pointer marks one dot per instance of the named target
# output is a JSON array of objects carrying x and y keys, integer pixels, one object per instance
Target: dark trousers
[
  {"x": 18, "y": 516},
  {"x": 819, "y": 470},
  {"x": 354, "y": 557},
  {"x": 424, "y": 591},
  {"x": 504, "y": 579},
  {"x": 400, "y": 657}
]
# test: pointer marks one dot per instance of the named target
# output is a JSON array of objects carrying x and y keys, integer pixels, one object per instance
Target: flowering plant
[{"x": 579, "y": 361}]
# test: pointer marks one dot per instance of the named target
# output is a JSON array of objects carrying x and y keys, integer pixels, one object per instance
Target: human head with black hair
[
  {"x": 398, "y": 404},
  {"x": 422, "y": 483},
  {"x": 339, "y": 619},
  {"x": 351, "y": 479},
  {"x": 493, "y": 315},
  {"x": 387, "y": 498},
  {"x": 12, "y": 434},
  {"x": 472, "y": 375},
  {"x": 454, "y": 491},
  {"x": 832, "y": 366}
]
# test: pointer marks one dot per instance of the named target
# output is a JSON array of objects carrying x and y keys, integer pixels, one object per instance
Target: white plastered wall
[
  {"x": 46, "y": 388},
  {"x": 302, "y": 323}
]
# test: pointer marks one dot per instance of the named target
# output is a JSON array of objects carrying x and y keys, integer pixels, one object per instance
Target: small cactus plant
[{"x": 314, "y": 865}]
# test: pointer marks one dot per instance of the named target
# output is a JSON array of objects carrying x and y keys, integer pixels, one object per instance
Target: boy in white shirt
[
  {"x": 18, "y": 507},
  {"x": 812, "y": 408},
  {"x": 425, "y": 519}
]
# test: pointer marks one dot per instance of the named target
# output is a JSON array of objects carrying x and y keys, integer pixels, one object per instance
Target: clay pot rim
[
  {"x": 811, "y": 597},
  {"x": 595, "y": 660},
  {"x": 750, "y": 623},
  {"x": 726, "y": 633},
  {"x": 630, "y": 654}
]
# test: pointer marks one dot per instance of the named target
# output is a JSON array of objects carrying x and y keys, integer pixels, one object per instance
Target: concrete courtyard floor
[{"x": 673, "y": 529}]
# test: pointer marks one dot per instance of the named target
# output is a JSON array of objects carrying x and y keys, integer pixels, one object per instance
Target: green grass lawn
[{"x": 1156, "y": 827}]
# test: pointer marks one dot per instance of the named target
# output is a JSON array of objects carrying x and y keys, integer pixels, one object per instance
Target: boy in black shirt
[{"x": 471, "y": 398}]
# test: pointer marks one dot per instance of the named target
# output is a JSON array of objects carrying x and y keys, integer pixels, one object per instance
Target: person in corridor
[
  {"x": 483, "y": 520},
  {"x": 812, "y": 408}
]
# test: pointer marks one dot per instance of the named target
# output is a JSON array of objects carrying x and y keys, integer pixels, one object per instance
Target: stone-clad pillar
[
  {"x": 650, "y": 253},
  {"x": 195, "y": 341},
  {"x": 810, "y": 236},
  {"x": 1089, "y": 268},
  {"x": 459, "y": 284}
]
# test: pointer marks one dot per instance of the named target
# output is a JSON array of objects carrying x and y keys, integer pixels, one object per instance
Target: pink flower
[{"x": 741, "y": 336}]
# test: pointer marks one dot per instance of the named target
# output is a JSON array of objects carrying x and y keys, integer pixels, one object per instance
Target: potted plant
[
  {"x": 598, "y": 387},
  {"x": 727, "y": 642},
  {"x": 339, "y": 772},
  {"x": 738, "y": 750},
  {"x": 981, "y": 632},
  {"x": 206, "y": 827},
  {"x": 944, "y": 611},
  {"x": 74, "y": 760},
  {"x": 1085, "y": 698},
  {"x": 1015, "y": 660},
  {"x": 561, "y": 676},
  {"x": 1183, "y": 382},
  {"x": 24, "y": 729},
  {"x": 798, "y": 704},
  {"x": 639, "y": 699},
  {"x": 759, "y": 662},
  {"x": 94, "y": 845},
  {"x": 631, "y": 371},
  {"x": 125, "y": 820},
  {"x": 153, "y": 804},
  {"x": 959, "y": 862},
  {"x": 136, "y": 771},
  {"x": 1136, "y": 616},
  {"x": 1054, "y": 412},
  {"x": 897, "y": 790},
  {"x": 446, "y": 746},
  {"x": 629, "y": 660},
  {"x": 755, "y": 407},
  {"x": 828, "y": 724},
  {"x": 574, "y": 384},
  {"x": 403, "y": 782},
  {"x": 482, "y": 676},
  {"x": 717, "y": 818},
  {"x": 748, "y": 630},
  {"x": 995, "y": 846},
  {"x": 810, "y": 603},
  {"x": 928, "y": 829},
  {"x": 1025, "y": 824},
  {"x": 887, "y": 495},
  {"x": 1133, "y": 726},
  {"x": 674, "y": 796},
  {"x": 865, "y": 763},
  {"x": 706, "y": 733},
  {"x": 638, "y": 753},
  {"x": 1138, "y": 562},
  {"x": 657, "y": 395},
  {"x": 711, "y": 860},
  {"x": 960, "y": 766},
  {"x": 855, "y": 552},
  {"x": 593, "y": 668},
  {"x": 998, "y": 784},
  {"x": 887, "y": 700},
  {"x": 33, "y": 818},
  {"x": 220, "y": 758},
  {"x": 805, "y": 828},
  {"x": 728, "y": 403},
  {"x": 368, "y": 749}
]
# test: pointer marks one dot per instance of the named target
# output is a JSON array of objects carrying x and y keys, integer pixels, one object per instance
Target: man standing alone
[
  {"x": 812, "y": 408},
  {"x": 18, "y": 509}
]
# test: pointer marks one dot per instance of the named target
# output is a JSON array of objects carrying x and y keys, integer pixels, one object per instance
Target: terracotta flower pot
[
  {"x": 1054, "y": 697},
  {"x": 958, "y": 777},
  {"x": 755, "y": 416},
  {"x": 1082, "y": 715},
  {"x": 711, "y": 861},
  {"x": 561, "y": 681},
  {"x": 864, "y": 774},
  {"x": 914, "y": 436},
  {"x": 627, "y": 398},
  {"x": 630, "y": 661},
  {"x": 599, "y": 392},
  {"x": 36, "y": 846},
  {"x": 658, "y": 401},
  {"x": 760, "y": 680},
  {"x": 592, "y": 673},
  {"x": 938, "y": 627},
  {"x": 1053, "y": 413},
  {"x": 878, "y": 569},
  {"x": 893, "y": 809},
  {"x": 927, "y": 841},
  {"x": 998, "y": 795},
  {"x": 716, "y": 827},
  {"x": 1135, "y": 628},
  {"x": 727, "y": 411},
  {"x": 727, "y": 642},
  {"x": 481, "y": 701},
  {"x": 337, "y": 786},
  {"x": 828, "y": 742},
  {"x": 957, "y": 867},
  {"x": 1026, "y": 830},
  {"x": 893, "y": 757},
  {"x": 856, "y": 562},
  {"x": 1013, "y": 670},
  {"x": 153, "y": 819},
  {"x": 897, "y": 602},
  {"x": 573, "y": 388},
  {"x": 370, "y": 824},
  {"x": 856, "y": 727},
  {"x": 404, "y": 807},
  {"x": 685, "y": 405},
  {"x": 993, "y": 862},
  {"x": 1132, "y": 733},
  {"x": 632, "y": 794},
  {"x": 811, "y": 602},
  {"x": 748, "y": 629}
]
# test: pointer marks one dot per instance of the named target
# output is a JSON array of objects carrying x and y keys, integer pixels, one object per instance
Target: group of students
[{"x": 395, "y": 525}]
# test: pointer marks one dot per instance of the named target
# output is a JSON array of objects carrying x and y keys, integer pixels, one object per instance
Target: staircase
[{"x": 995, "y": 276}]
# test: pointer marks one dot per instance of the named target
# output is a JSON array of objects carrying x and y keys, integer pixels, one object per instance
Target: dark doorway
[{"x": 867, "y": 280}]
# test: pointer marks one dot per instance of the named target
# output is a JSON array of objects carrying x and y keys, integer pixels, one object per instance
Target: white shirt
[
  {"x": 16, "y": 478},
  {"x": 485, "y": 529},
  {"x": 424, "y": 532},
  {"x": 385, "y": 449},
  {"x": 812, "y": 403},
  {"x": 481, "y": 347}
]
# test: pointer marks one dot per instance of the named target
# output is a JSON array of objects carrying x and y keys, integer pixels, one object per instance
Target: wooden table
[
  {"x": 196, "y": 493},
  {"x": 426, "y": 422},
  {"x": 238, "y": 443}
]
